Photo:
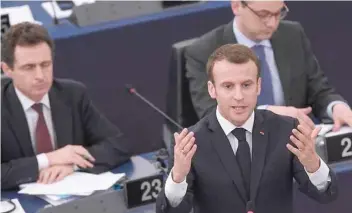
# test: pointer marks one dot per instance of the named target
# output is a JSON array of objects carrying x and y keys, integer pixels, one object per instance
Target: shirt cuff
[
  {"x": 332, "y": 104},
  {"x": 262, "y": 107},
  {"x": 175, "y": 192},
  {"x": 43, "y": 161},
  {"x": 321, "y": 177}
]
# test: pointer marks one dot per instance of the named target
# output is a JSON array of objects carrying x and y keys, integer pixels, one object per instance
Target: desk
[{"x": 139, "y": 166}]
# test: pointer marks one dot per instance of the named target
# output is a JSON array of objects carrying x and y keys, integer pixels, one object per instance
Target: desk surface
[
  {"x": 66, "y": 29},
  {"x": 139, "y": 166}
]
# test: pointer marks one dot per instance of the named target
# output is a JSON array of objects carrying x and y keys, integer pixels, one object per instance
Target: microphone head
[{"x": 130, "y": 89}]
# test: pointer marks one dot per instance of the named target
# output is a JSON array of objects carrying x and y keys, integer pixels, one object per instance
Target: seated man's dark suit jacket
[
  {"x": 303, "y": 82},
  {"x": 216, "y": 186},
  {"x": 76, "y": 121}
]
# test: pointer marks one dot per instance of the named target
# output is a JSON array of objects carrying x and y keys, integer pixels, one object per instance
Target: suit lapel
[
  {"x": 229, "y": 36},
  {"x": 282, "y": 62},
  {"x": 18, "y": 122},
  {"x": 260, "y": 141},
  {"x": 223, "y": 148},
  {"x": 62, "y": 119}
]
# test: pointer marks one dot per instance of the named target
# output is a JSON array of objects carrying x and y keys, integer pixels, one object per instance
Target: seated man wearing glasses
[{"x": 292, "y": 82}]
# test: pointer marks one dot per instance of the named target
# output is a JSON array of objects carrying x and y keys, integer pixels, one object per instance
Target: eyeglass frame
[{"x": 270, "y": 14}]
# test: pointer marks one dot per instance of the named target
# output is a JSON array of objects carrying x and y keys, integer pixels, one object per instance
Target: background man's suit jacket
[
  {"x": 304, "y": 83},
  {"x": 215, "y": 183},
  {"x": 76, "y": 121}
]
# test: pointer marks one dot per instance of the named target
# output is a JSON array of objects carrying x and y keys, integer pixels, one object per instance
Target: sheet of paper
[
  {"x": 60, "y": 201},
  {"x": 343, "y": 130},
  {"x": 52, "y": 6},
  {"x": 80, "y": 2},
  {"x": 325, "y": 128},
  {"x": 78, "y": 183},
  {"x": 19, "y": 14}
]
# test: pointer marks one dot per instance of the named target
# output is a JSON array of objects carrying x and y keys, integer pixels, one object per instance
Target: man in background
[
  {"x": 293, "y": 83},
  {"x": 49, "y": 127}
]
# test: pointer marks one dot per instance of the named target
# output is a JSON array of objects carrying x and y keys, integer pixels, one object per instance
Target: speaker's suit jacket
[{"x": 215, "y": 184}]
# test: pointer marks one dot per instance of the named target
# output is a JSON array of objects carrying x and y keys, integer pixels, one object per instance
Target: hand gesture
[
  {"x": 183, "y": 152},
  {"x": 304, "y": 139}
]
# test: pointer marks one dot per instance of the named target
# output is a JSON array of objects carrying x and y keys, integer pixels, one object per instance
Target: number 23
[
  {"x": 146, "y": 187},
  {"x": 346, "y": 143}
]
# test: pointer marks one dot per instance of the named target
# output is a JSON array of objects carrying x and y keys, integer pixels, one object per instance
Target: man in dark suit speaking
[
  {"x": 293, "y": 82},
  {"x": 239, "y": 158},
  {"x": 49, "y": 127}
]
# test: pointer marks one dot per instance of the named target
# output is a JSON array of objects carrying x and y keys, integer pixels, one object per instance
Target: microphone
[
  {"x": 250, "y": 207},
  {"x": 133, "y": 91},
  {"x": 55, "y": 19}
]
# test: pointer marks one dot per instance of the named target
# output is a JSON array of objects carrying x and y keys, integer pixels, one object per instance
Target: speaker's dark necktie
[{"x": 243, "y": 156}]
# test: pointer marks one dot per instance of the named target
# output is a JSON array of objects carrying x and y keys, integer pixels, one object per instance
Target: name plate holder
[
  {"x": 143, "y": 191},
  {"x": 339, "y": 147},
  {"x": 111, "y": 201},
  {"x": 336, "y": 146},
  {"x": 135, "y": 193}
]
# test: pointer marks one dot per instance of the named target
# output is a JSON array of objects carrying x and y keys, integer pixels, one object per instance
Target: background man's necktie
[{"x": 42, "y": 136}]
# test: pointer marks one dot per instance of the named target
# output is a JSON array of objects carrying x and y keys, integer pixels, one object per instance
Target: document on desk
[
  {"x": 66, "y": 199},
  {"x": 19, "y": 14},
  {"x": 78, "y": 183},
  {"x": 342, "y": 130},
  {"x": 53, "y": 9},
  {"x": 325, "y": 128}
]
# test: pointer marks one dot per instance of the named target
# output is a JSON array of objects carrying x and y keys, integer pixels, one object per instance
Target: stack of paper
[{"x": 72, "y": 186}]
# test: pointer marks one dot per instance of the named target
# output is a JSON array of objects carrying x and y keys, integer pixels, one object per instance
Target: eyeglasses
[{"x": 265, "y": 16}]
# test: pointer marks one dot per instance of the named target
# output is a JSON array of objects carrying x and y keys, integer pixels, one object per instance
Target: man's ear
[
  {"x": 6, "y": 69},
  {"x": 211, "y": 90},
  {"x": 235, "y": 6},
  {"x": 259, "y": 83}
]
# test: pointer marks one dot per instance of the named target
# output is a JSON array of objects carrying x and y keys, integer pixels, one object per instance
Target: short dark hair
[
  {"x": 233, "y": 53},
  {"x": 23, "y": 34}
]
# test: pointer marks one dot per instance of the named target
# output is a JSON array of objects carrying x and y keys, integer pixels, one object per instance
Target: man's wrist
[
  {"x": 50, "y": 158},
  {"x": 176, "y": 177},
  {"x": 315, "y": 166},
  {"x": 331, "y": 106}
]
